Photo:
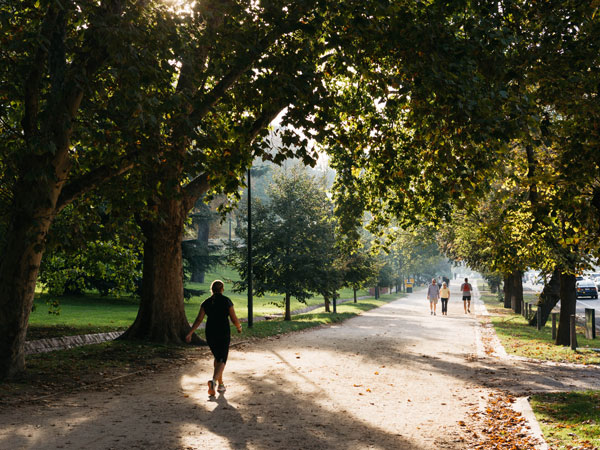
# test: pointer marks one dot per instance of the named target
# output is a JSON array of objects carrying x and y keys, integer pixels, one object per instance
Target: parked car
[{"x": 586, "y": 288}]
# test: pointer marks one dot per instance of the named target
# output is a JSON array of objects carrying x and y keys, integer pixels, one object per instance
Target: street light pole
[{"x": 250, "y": 318}]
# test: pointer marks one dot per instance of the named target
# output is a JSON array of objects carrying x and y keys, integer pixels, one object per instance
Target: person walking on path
[
  {"x": 444, "y": 296},
  {"x": 466, "y": 289},
  {"x": 433, "y": 294},
  {"x": 218, "y": 309}
]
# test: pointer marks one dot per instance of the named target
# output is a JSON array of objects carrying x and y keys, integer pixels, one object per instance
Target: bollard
[
  {"x": 530, "y": 311},
  {"x": 590, "y": 323},
  {"x": 554, "y": 317},
  {"x": 539, "y": 318},
  {"x": 524, "y": 309},
  {"x": 573, "y": 333}
]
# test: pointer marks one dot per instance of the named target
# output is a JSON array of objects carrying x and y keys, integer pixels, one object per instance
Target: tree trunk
[
  {"x": 517, "y": 292},
  {"x": 33, "y": 209},
  {"x": 548, "y": 298},
  {"x": 354, "y": 292},
  {"x": 161, "y": 316},
  {"x": 508, "y": 288},
  {"x": 327, "y": 303},
  {"x": 568, "y": 302},
  {"x": 288, "y": 312},
  {"x": 18, "y": 274}
]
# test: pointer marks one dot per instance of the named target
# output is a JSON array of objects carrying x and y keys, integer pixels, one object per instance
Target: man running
[{"x": 466, "y": 289}]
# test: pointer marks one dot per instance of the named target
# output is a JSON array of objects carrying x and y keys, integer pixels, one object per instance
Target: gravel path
[{"x": 393, "y": 378}]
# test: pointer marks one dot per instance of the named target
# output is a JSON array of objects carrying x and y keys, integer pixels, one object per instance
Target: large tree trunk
[
  {"x": 288, "y": 312},
  {"x": 548, "y": 298},
  {"x": 327, "y": 303},
  {"x": 34, "y": 208},
  {"x": 18, "y": 274},
  {"x": 568, "y": 302},
  {"x": 508, "y": 288},
  {"x": 516, "y": 298},
  {"x": 161, "y": 316}
]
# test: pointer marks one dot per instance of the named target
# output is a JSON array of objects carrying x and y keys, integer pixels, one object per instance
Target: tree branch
[
  {"x": 200, "y": 185},
  {"x": 32, "y": 84},
  {"x": 243, "y": 64},
  {"x": 91, "y": 180}
]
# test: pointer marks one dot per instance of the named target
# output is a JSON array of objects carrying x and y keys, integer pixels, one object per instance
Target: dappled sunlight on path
[{"x": 393, "y": 378}]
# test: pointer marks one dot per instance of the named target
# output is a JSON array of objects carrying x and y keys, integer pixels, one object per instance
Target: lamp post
[{"x": 250, "y": 318}]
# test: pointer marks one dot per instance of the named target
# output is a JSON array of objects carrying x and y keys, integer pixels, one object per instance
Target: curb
[{"x": 522, "y": 405}]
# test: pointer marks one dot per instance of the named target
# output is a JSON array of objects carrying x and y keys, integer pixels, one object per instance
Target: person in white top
[{"x": 444, "y": 296}]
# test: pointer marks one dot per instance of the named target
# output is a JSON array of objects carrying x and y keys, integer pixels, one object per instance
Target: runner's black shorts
[
  {"x": 467, "y": 298},
  {"x": 219, "y": 347}
]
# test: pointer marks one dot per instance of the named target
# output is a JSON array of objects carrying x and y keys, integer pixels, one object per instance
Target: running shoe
[
  {"x": 221, "y": 388},
  {"x": 211, "y": 387}
]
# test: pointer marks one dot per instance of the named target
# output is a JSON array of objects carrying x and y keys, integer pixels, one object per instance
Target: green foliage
[
  {"x": 359, "y": 269},
  {"x": 92, "y": 248},
  {"x": 293, "y": 239}
]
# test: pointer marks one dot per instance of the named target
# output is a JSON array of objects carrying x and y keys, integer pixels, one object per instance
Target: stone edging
[{"x": 66, "y": 342}]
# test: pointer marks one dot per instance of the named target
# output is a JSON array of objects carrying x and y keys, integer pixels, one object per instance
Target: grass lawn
[
  {"x": 518, "y": 338},
  {"x": 61, "y": 371},
  {"x": 96, "y": 314},
  {"x": 569, "y": 420}
]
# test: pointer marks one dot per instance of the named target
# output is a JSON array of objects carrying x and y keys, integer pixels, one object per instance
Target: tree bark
[
  {"x": 327, "y": 303},
  {"x": 288, "y": 312},
  {"x": 568, "y": 302},
  {"x": 161, "y": 316},
  {"x": 517, "y": 292},
  {"x": 548, "y": 298},
  {"x": 508, "y": 288},
  {"x": 18, "y": 274},
  {"x": 354, "y": 292}
]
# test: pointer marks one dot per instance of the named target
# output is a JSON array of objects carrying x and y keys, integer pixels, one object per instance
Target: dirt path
[{"x": 393, "y": 378}]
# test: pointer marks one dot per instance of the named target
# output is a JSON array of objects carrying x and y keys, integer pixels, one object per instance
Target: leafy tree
[
  {"x": 251, "y": 65},
  {"x": 359, "y": 269},
  {"x": 65, "y": 69},
  {"x": 288, "y": 252}
]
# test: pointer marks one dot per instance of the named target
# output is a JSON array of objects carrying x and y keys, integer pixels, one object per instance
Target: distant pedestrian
[
  {"x": 466, "y": 290},
  {"x": 444, "y": 296},
  {"x": 433, "y": 294},
  {"x": 218, "y": 309}
]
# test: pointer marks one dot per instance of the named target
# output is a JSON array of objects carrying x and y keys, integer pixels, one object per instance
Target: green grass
[
  {"x": 569, "y": 420},
  {"x": 518, "y": 338},
  {"x": 60, "y": 371},
  {"x": 96, "y": 314}
]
